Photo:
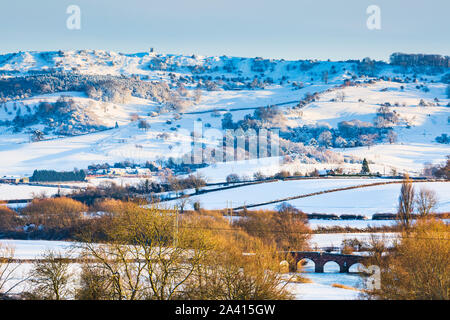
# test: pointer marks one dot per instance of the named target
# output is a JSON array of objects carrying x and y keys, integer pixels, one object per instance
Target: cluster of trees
[
  {"x": 443, "y": 138},
  {"x": 109, "y": 91},
  {"x": 441, "y": 170},
  {"x": 368, "y": 67},
  {"x": 263, "y": 117},
  {"x": 99, "y": 87},
  {"x": 287, "y": 227},
  {"x": 125, "y": 164},
  {"x": 91, "y": 195},
  {"x": 52, "y": 175},
  {"x": 158, "y": 254},
  {"x": 180, "y": 167},
  {"x": 59, "y": 218},
  {"x": 55, "y": 218},
  {"x": 190, "y": 182},
  {"x": 417, "y": 267},
  {"x": 419, "y": 60},
  {"x": 412, "y": 204},
  {"x": 261, "y": 65},
  {"x": 64, "y": 117},
  {"x": 354, "y": 133},
  {"x": 155, "y": 166},
  {"x": 386, "y": 118}
]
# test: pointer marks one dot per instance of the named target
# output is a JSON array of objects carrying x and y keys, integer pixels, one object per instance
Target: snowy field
[
  {"x": 362, "y": 201},
  {"x": 17, "y": 192},
  {"x": 32, "y": 249},
  {"x": 366, "y": 201},
  {"x": 262, "y": 192},
  {"x": 360, "y": 224}
]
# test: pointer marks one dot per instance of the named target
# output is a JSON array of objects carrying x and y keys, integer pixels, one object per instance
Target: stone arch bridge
[{"x": 345, "y": 261}]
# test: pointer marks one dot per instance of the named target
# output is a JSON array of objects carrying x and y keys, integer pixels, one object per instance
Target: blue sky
[{"x": 290, "y": 29}]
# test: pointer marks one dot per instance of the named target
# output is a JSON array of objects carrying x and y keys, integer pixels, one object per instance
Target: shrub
[
  {"x": 55, "y": 215},
  {"x": 418, "y": 268},
  {"x": 233, "y": 178},
  {"x": 9, "y": 219}
]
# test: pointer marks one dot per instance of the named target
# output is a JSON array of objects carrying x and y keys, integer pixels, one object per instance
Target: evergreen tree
[
  {"x": 365, "y": 167},
  {"x": 52, "y": 175}
]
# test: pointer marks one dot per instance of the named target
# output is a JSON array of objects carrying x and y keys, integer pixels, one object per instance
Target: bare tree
[
  {"x": 340, "y": 96},
  {"x": 417, "y": 267},
  {"x": 182, "y": 202},
  {"x": 50, "y": 277},
  {"x": 406, "y": 203},
  {"x": 7, "y": 270},
  {"x": 325, "y": 77},
  {"x": 197, "y": 96},
  {"x": 143, "y": 125},
  {"x": 147, "y": 255},
  {"x": 391, "y": 137},
  {"x": 37, "y": 135},
  {"x": 95, "y": 283},
  {"x": 425, "y": 202}
]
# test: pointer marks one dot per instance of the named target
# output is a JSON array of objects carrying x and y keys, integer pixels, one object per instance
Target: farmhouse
[{"x": 14, "y": 179}]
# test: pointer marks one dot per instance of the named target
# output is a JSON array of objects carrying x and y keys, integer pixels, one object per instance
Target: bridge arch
[
  {"x": 284, "y": 266},
  {"x": 356, "y": 267},
  {"x": 332, "y": 266},
  {"x": 306, "y": 265}
]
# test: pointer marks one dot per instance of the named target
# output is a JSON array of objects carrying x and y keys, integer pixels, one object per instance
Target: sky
[{"x": 288, "y": 29}]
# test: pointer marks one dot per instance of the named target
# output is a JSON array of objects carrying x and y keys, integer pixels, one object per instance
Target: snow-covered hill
[{"x": 90, "y": 106}]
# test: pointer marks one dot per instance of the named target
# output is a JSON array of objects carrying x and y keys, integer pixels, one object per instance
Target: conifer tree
[{"x": 365, "y": 167}]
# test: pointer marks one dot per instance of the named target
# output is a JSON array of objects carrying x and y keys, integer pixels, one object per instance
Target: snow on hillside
[
  {"x": 156, "y": 65},
  {"x": 415, "y": 143},
  {"x": 287, "y": 82}
]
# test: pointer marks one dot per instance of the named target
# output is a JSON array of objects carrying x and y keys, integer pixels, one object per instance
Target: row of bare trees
[
  {"x": 417, "y": 265},
  {"x": 422, "y": 202},
  {"x": 157, "y": 254}
]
